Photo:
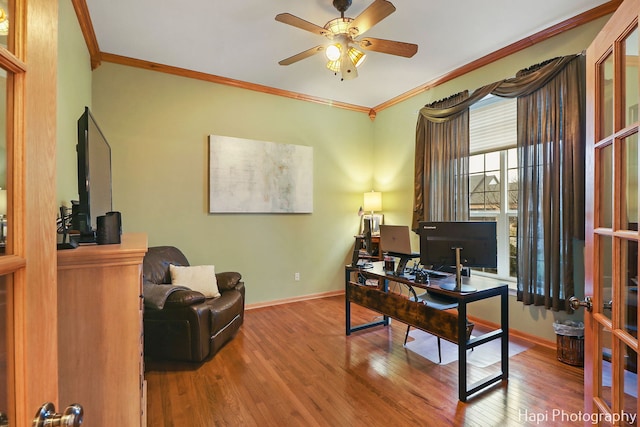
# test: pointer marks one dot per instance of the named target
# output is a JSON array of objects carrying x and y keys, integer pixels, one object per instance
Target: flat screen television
[
  {"x": 459, "y": 243},
  {"x": 94, "y": 177}
]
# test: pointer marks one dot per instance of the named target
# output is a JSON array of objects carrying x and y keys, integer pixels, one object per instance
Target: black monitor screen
[
  {"x": 366, "y": 233},
  {"x": 476, "y": 240},
  {"x": 94, "y": 175}
]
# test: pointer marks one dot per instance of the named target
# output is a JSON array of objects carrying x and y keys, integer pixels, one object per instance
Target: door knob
[
  {"x": 575, "y": 303},
  {"x": 4, "y": 420},
  {"x": 47, "y": 417}
]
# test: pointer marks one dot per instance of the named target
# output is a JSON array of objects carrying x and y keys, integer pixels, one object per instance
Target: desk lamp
[{"x": 373, "y": 201}]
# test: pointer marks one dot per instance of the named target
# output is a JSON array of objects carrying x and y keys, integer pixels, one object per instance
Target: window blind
[{"x": 492, "y": 125}]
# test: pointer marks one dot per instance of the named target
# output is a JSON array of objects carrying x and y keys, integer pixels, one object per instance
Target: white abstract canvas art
[{"x": 249, "y": 176}]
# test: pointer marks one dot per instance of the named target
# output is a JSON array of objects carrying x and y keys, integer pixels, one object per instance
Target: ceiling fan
[{"x": 342, "y": 50}]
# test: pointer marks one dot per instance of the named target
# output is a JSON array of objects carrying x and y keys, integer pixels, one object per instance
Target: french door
[
  {"x": 612, "y": 216},
  {"x": 28, "y": 287}
]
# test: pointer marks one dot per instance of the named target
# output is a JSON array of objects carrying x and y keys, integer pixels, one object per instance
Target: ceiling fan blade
[
  {"x": 287, "y": 18},
  {"x": 376, "y": 12},
  {"x": 302, "y": 55},
  {"x": 388, "y": 46}
]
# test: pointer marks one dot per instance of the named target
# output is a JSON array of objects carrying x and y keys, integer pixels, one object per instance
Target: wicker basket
[{"x": 571, "y": 350}]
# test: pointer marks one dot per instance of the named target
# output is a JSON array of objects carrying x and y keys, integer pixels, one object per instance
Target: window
[{"x": 493, "y": 175}]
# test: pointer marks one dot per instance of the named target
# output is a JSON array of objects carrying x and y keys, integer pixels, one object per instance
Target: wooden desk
[{"x": 437, "y": 322}]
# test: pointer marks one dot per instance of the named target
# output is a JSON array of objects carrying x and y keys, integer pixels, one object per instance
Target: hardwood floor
[{"x": 293, "y": 365}]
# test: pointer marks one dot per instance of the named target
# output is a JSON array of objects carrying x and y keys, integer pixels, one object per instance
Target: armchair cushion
[
  {"x": 184, "y": 299},
  {"x": 156, "y": 296},
  {"x": 201, "y": 278},
  {"x": 228, "y": 280}
]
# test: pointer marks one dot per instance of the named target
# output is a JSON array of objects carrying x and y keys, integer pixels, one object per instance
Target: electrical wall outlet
[{"x": 296, "y": 276}]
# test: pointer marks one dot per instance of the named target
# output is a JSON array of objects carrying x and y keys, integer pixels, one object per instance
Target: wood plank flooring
[{"x": 293, "y": 365}]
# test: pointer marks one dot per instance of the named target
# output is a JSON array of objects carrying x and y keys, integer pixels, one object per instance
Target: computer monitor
[
  {"x": 366, "y": 233},
  {"x": 457, "y": 244},
  {"x": 365, "y": 240}
]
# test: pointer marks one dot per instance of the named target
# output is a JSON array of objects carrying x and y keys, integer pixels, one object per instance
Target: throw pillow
[{"x": 201, "y": 278}]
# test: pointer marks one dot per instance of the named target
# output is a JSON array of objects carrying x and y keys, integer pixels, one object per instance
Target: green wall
[
  {"x": 74, "y": 92},
  {"x": 158, "y": 124}
]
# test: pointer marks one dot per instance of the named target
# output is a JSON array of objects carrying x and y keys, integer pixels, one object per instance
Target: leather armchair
[{"x": 181, "y": 324}]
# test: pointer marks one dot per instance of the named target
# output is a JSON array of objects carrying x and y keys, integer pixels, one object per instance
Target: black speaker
[{"x": 109, "y": 228}]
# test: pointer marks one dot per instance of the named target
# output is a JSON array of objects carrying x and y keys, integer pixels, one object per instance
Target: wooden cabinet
[{"x": 100, "y": 342}]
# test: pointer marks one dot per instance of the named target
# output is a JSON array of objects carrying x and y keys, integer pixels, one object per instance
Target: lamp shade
[
  {"x": 372, "y": 201},
  {"x": 356, "y": 56},
  {"x": 333, "y": 52}
]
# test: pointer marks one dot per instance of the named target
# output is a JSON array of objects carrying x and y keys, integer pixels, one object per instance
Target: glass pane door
[{"x": 612, "y": 211}]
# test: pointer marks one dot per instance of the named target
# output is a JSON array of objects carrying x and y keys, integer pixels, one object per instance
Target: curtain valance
[{"x": 526, "y": 82}]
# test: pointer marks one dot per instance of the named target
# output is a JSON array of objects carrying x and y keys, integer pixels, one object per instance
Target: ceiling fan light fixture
[
  {"x": 356, "y": 56},
  {"x": 334, "y": 66},
  {"x": 338, "y": 25},
  {"x": 333, "y": 52}
]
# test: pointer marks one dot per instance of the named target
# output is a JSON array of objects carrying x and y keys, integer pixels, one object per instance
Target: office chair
[{"x": 437, "y": 303}]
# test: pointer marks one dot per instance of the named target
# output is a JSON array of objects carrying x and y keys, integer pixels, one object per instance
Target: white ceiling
[{"x": 243, "y": 41}]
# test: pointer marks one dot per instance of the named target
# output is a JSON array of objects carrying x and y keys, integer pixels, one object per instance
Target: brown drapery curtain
[
  {"x": 551, "y": 153},
  {"x": 553, "y": 121},
  {"x": 442, "y": 165}
]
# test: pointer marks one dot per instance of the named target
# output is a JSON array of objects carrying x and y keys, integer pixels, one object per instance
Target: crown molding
[
  {"x": 154, "y": 66},
  {"x": 97, "y": 57},
  {"x": 571, "y": 23},
  {"x": 84, "y": 19}
]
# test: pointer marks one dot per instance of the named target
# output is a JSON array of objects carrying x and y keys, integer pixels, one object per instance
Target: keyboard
[{"x": 437, "y": 274}]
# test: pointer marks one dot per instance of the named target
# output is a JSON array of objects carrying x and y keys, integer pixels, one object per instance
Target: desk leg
[
  {"x": 385, "y": 318},
  {"x": 504, "y": 325},
  {"x": 347, "y": 300},
  {"x": 462, "y": 351}
]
